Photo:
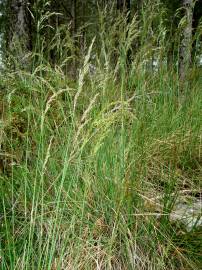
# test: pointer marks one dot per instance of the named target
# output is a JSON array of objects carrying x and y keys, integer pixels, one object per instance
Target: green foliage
[{"x": 91, "y": 168}]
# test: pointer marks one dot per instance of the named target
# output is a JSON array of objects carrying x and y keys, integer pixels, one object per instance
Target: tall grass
[{"x": 91, "y": 168}]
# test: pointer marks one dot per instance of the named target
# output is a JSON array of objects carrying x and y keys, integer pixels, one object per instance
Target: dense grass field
[{"x": 91, "y": 168}]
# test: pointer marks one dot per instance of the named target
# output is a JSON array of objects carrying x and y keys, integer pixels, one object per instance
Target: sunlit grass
[{"x": 92, "y": 167}]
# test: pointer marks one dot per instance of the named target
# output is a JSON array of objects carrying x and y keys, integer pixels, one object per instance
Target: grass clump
[{"x": 91, "y": 168}]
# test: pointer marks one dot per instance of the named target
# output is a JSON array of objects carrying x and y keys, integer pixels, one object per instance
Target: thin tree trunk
[
  {"x": 123, "y": 5},
  {"x": 19, "y": 40},
  {"x": 73, "y": 13},
  {"x": 74, "y": 29},
  {"x": 19, "y": 21},
  {"x": 186, "y": 43},
  {"x": 82, "y": 40}
]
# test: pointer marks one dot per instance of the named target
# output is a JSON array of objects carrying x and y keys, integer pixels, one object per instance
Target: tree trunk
[
  {"x": 74, "y": 29},
  {"x": 73, "y": 13},
  {"x": 19, "y": 39},
  {"x": 19, "y": 25},
  {"x": 123, "y": 5},
  {"x": 83, "y": 31},
  {"x": 186, "y": 43}
]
